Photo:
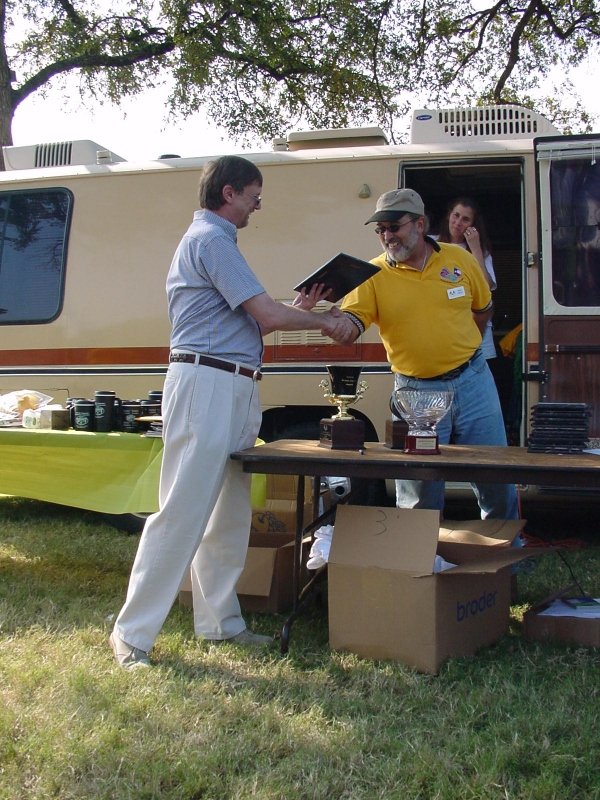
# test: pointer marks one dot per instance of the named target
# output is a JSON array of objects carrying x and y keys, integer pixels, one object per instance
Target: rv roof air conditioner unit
[
  {"x": 485, "y": 122},
  {"x": 331, "y": 137},
  {"x": 56, "y": 154}
]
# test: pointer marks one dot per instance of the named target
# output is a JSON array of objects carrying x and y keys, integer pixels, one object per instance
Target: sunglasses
[{"x": 394, "y": 228}]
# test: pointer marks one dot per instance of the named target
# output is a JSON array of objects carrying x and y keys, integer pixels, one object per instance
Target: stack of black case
[{"x": 559, "y": 427}]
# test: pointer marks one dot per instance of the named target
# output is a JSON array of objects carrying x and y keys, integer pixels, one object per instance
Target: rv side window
[
  {"x": 575, "y": 193},
  {"x": 33, "y": 238}
]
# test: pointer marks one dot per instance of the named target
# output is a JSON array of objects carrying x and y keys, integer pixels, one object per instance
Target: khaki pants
[{"x": 205, "y": 513}]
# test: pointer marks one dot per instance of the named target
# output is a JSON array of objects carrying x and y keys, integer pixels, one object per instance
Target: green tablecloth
[{"x": 116, "y": 473}]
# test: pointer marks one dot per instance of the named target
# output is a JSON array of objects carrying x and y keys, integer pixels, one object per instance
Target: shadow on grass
[{"x": 58, "y": 564}]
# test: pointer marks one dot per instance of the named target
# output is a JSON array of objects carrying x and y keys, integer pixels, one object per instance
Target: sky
[{"x": 137, "y": 129}]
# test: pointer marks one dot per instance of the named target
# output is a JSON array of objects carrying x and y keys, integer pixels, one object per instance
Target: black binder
[{"x": 341, "y": 274}]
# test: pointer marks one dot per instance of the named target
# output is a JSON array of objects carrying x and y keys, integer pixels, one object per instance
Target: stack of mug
[
  {"x": 132, "y": 410},
  {"x": 107, "y": 412}
]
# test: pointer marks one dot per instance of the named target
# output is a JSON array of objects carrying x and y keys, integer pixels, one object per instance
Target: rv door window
[
  {"x": 33, "y": 236},
  {"x": 575, "y": 199}
]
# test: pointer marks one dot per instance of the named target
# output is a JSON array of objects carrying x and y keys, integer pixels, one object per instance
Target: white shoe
[
  {"x": 246, "y": 637},
  {"x": 127, "y": 656}
]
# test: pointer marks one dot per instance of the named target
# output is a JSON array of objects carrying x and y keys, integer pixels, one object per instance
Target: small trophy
[
  {"x": 395, "y": 434},
  {"x": 342, "y": 431},
  {"x": 422, "y": 409}
]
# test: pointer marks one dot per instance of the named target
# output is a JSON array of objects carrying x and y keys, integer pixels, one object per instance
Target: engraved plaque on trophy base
[
  {"x": 395, "y": 434},
  {"x": 342, "y": 434},
  {"x": 421, "y": 445}
]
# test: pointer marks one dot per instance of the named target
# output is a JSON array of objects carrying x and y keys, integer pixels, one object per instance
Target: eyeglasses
[
  {"x": 394, "y": 228},
  {"x": 256, "y": 198}
]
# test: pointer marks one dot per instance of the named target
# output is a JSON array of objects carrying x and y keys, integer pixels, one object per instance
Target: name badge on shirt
[{"x": 457, "y": 291}]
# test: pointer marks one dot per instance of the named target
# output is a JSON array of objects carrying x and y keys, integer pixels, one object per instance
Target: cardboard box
[
  {"x": 265, "y": 585},
  {"x": 56, "y": 419},
  {"x": 278, "y": 515},
  {"x": 481, "y": 532},
  {"x": 386, "y": 603},
  {"x": 285, "y": 487},
  {"x": 570, "y": 628}
]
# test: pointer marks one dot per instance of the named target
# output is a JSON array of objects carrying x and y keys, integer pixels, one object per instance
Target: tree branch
[
  {"x": 513, "y": 55},
  {"x": 147, "y": 52}
]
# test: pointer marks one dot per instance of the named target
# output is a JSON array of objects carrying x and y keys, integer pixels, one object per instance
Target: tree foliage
[{"x": 258, "y": 67}]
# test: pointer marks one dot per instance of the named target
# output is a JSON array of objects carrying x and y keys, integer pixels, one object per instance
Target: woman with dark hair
[{"x": 463, "y": 225}]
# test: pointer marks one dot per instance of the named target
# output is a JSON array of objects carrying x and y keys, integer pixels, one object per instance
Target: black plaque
[{"x": 342, "y": 434}]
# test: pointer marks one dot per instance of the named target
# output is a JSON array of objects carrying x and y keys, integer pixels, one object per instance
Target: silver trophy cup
[{"x": 422, "y": 409}]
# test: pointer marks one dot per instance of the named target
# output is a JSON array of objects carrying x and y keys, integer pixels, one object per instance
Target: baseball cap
[{"x": 391, "y": 205}]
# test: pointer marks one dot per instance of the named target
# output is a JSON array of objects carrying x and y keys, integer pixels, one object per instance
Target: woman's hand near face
[{"x": 472, "y": 238}]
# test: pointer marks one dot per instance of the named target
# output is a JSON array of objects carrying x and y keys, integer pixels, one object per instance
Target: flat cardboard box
[
  {"x": 570, "y": 629},
  {"x": 386, "y": 603},
  {"x": 265, "y": 585}
]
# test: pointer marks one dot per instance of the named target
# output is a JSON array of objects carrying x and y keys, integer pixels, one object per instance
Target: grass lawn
[{"x": 520, "y": 720}]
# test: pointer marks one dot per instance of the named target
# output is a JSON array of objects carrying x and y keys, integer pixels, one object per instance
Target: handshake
[{"x": 338, "y": 326}]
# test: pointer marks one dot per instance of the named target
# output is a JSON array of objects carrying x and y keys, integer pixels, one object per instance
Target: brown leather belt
[
  {"x": 451, "y": 374},
  {"x": 217, "y": 363}
]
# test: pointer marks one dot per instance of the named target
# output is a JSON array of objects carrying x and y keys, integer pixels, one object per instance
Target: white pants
[{"x": 204, "y": 501}]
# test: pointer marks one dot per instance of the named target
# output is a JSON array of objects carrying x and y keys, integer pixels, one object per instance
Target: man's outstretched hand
[{"x": 339, "y": 327}]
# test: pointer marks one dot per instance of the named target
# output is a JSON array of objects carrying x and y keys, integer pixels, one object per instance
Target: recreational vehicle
[{"x": 87, "y": 238}]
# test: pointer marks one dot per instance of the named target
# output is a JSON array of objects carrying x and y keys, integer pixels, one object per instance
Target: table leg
[{"x": 304, "y": 595}]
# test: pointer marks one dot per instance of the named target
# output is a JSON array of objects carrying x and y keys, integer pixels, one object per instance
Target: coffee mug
[
  {"x": 130, "y": 411},
  {"x": 71, "y": 407},
  {"x": 151, "y": 408},
  {"x": 107, "y": 411},
  {"x": 83, "y": 415}
]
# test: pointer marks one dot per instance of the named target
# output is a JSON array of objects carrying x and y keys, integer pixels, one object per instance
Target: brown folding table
[{"x": 454, "y": 462}]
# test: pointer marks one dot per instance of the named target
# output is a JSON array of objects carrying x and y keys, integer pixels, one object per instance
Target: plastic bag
[
  {"x": 319, "y": 552},
  {"x": 440, "y": 564},
  {"x": 21, "y": 400}
]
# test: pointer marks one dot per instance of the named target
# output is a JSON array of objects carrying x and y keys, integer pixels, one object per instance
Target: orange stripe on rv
[
  {"x": 84, "y": 356},
  {"x": 159, "y": 356}
]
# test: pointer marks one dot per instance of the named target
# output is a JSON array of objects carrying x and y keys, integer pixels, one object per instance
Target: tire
[{"x": 128, "y": 523}]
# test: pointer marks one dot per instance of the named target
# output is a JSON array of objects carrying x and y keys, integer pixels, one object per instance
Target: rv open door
[{"x": 568, "y": 177}]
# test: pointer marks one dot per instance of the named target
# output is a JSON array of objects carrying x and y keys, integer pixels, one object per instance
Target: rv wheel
[{"x": 128, "y": 523}]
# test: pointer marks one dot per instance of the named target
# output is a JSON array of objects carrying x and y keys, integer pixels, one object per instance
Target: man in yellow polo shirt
[{"x": 431, "y": 304}]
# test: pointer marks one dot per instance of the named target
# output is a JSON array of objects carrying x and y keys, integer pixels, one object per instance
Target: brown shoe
[{"x": 127, "y": 656}]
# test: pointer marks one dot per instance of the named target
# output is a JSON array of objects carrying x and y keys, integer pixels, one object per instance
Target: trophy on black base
[
  {"x": 422, "y": 409},
  {"x": 342, "y": 431}
]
